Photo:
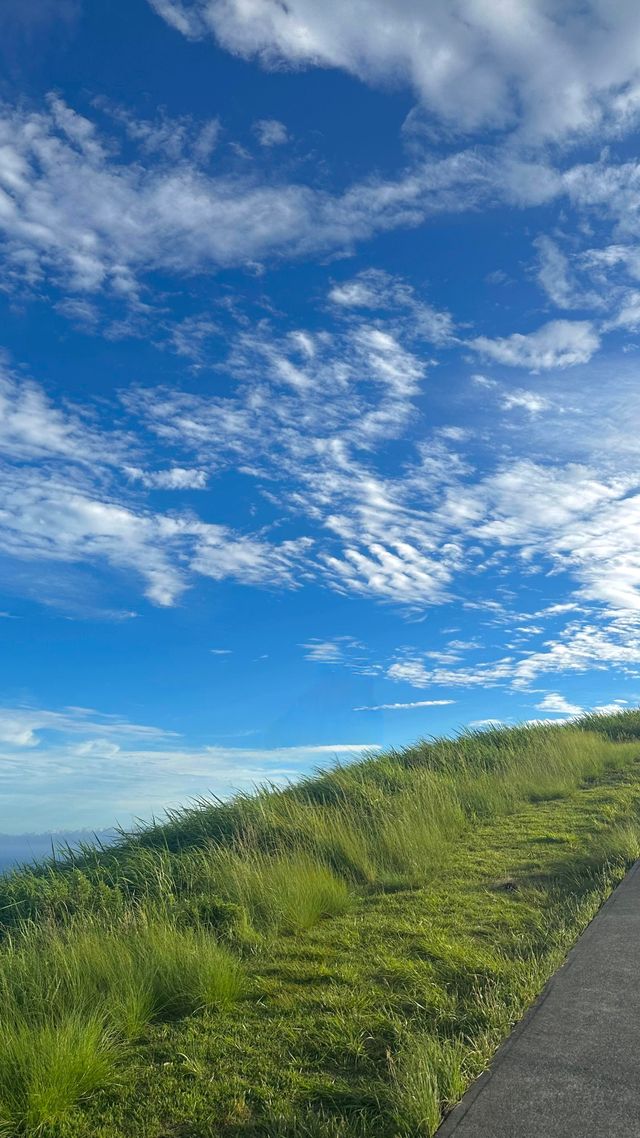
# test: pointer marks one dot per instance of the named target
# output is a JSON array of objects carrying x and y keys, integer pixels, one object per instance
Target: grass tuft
[
  {"x": 428, "y": 1077},
  {"x": 290, "y": 893},
  {"x": 45, "y": 1071},
  {"x": 128, "y": 975}
]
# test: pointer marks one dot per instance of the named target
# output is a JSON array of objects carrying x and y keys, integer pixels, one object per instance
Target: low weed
[
  {"x": 618, "y": 844},
  {"x": 428, "y": 1076}
]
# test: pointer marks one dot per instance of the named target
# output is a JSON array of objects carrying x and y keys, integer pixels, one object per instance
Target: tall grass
[
  {"x": 71, "y": 998},
  {"x": 129, "y": 975},
  {"x": 101, "y": 943},
  {"x": 48, "y": 1067},
  {"x": 288, "y": 892},
  {"x": 286, "y": 858},
  {"x": 386, "y": 820}
]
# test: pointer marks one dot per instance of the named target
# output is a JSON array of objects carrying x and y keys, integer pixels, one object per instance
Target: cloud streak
[
  {"x": 74, "y": 212},
  {"x": 407, "y": 706}
]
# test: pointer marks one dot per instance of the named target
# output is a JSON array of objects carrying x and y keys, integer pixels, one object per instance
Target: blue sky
[{"x": 318, "y": 385}]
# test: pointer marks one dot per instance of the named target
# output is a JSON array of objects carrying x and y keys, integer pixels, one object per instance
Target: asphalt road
[{"x": 571, "y": 1068}]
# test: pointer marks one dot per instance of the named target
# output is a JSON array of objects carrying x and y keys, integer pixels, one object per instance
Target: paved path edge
[{"x": 452, "y": 1121}]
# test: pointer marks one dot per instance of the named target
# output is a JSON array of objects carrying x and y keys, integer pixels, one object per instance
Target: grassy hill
[{"x": 333, "y": 960}]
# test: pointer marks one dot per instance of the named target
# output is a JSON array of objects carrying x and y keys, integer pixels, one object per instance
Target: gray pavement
[{"x": 571, "y": 1069}]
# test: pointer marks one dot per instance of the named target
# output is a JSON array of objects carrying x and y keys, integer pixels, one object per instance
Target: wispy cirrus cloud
[
  {"x": 174, "y": 478},
  {"x": 270, "y": 132},
  {"x": 327, "y": 403},
  {"x": 596, "y": 642},
  {"x": 67, "y": 521},
  {"x": 310, "y": 421},
  {"x": 33, "y": 427},
  {"x": 26, "y": 726},
  {"x": 529, "y": 401},
  {"x": 78, "y": 216},
  {"x": 407, "y": 706},
  {"x": 376, "y": 290},
  {"x": 74, "y": 212}
]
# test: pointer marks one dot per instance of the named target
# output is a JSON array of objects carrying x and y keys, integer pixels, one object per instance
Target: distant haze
[{"x": 20, "y": 849}]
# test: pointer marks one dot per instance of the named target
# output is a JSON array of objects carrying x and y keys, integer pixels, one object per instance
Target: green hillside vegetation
[{"x": 331, "y": 960}]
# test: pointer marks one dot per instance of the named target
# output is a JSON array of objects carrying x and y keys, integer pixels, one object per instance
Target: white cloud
[
  {"x": 397, "y": 571},
  {"x": 74, "y": 211},
  {"x": 529, "y": 401},
  {"x": 324, "y": 651},
  {"x": 23, "y": 726},
  {"x": 33, "y": 427},
  {"x": 173, "y": 138},
  {"x": 329, "y": 749},
  {"x": 560, "y": 278},
  {"x": 175, "y": 478},
  {"x": 375, "y": 289},
  {"x": 248, "y": 560},
  {"x": 329, "y": 403},
  {"x": 409, "y": 671},
  {"x": 91, "y": 748},
  {"x": 344, "y": 650},
  {"x": 558, "y": 344},
  {"x": 579, "y": 522},
  {"x": 483, "y": 381},
  {"x": 628, "y": 314},
  {"x": 325, "y": 403},
  {"x": 583, "y": 645},
  {"x": 550, "y": 71},
  {"x": 407, "y": 706},
  {"x": 270, "y": 132},
  {"x": 554, "y": 274},
  {"x": 49, "y": 519},
  {"x": 557, "y": 703},
  {"x": 415, "y": 672},
  {"x": 309, "y": 419},
  {"x": 191, "y": 338},
  {"x": 71, "y": 209},
  {"x": 613, "y": 708}
]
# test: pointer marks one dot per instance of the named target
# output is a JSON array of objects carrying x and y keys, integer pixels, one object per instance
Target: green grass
[
  {"x": 288, "y": 892},
  {"x": 337, "y": 958},
  {"x": 49, "y": 1066},
  {"x": 428, "y": 1076},
  {"x": 129, "y": 973}
]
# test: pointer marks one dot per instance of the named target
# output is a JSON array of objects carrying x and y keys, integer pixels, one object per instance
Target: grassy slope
[{"x": 304, "y": 977}]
